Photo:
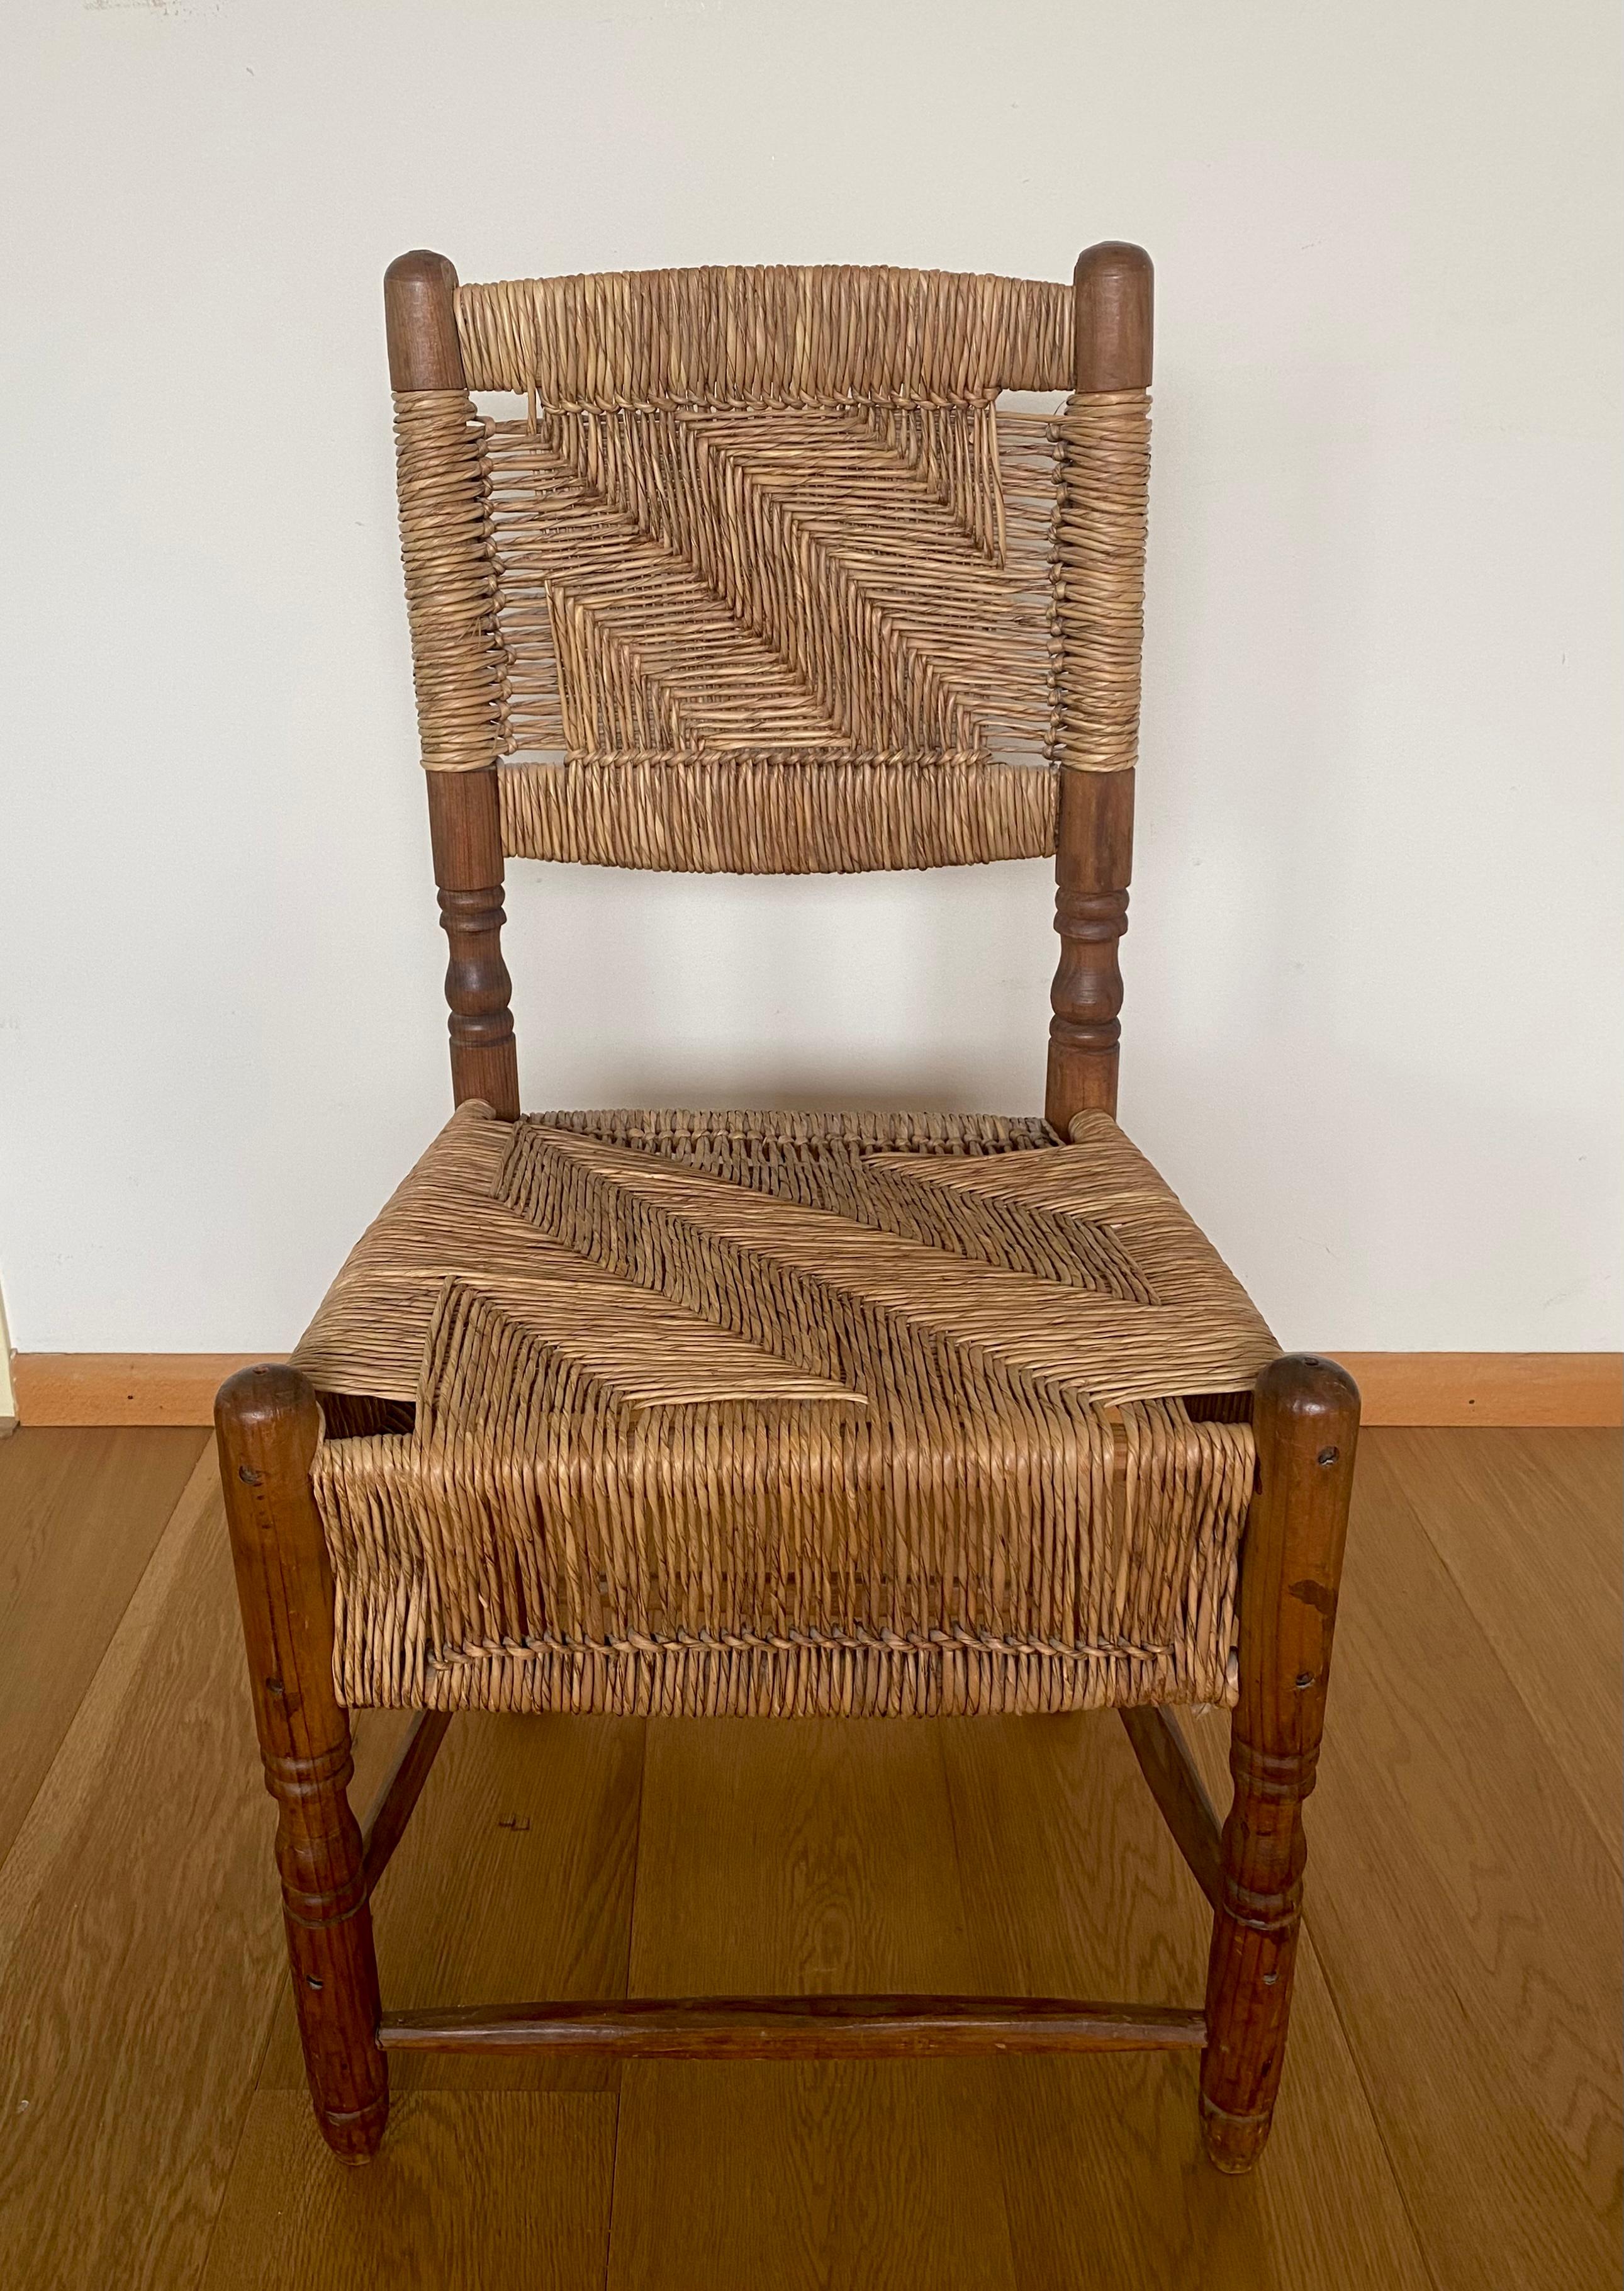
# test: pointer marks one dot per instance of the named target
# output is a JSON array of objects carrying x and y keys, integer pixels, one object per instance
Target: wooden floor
[{"x": 1451, "y": 2115}]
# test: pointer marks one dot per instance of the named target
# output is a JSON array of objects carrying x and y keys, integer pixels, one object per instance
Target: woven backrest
[{"x": 750, "y": 570}]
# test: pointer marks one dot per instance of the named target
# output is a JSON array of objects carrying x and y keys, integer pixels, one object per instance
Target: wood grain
[
  {"x": 1306, "y": 1411},
  {"x": 1466, "y": 1915},
  {"x": 1069, "y": 1877},
  {"x": 514, "y": 1879},
  {"x": 1114, "y": 329},
  {"x": 1093, "y": 862},
  {"x": 123, "y": 1389},
  {"x": 802, "y": 1855},
  {"x": 1458, "y": 1894},
  {"x": 395, "y": 1801},
  {"x": 465, "y": 831},
  {"x": 799, "y": 2028},
  {"x": 472, "y": 2190},
  {"x": 80, "y": 1513},
  {"x": 140, "y": 1941},
  {"x": 1511, "y": 1388},
  {"x": 268, "y": 1424},
  {"x": 420, "y": 319},
  {"x": 1493, "y": 1506},
  {"x": 1158, "y": 1742},
  {"x": 1113, "y": 337},
  {"x": 1529, "y": 1389}
]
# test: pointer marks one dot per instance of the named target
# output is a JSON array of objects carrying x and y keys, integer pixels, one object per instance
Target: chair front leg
[
  {"x": 268, "y": 1424},
  {"x": 1307, "y": 1423}
]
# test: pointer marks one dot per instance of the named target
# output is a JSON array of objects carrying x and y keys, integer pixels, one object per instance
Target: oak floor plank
[
  {"x": 139, "y": 1942},
  {"x": 1587, "y": 1464},
  {"x": 1466, "y": 1915},
  {"x": 471, "y": 2191},
  {"x": 1073, "y": 1887},
  {"x": 1527, "y": 1523},
  {"x": 80, "y": 1513},
  {"x": 1464, "y": 1956},
  {"x": 513, "y": 1881},
  {"x": 790, "y": 1855}
]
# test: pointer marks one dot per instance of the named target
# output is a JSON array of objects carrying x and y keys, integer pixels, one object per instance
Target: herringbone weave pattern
[
  {"x": 785, "y": 1413},
  {"x": 762, "y": 577}
]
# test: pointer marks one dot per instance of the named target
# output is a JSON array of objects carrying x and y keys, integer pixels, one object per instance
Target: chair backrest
[{"x": 755, "y": 573}]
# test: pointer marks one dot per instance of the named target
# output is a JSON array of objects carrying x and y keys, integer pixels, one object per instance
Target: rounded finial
[
  {"x": 419, "y": 310},
  {"x": 1113, "y": 291}
]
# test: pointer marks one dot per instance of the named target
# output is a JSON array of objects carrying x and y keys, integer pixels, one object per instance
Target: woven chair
[{"x": 784, "y": 1414}]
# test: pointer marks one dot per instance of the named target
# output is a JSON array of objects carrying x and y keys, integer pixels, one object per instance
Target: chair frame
[{"x": 1306, "y": 1414}]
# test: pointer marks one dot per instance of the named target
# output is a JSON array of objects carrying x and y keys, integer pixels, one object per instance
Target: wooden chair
[{"x": 782, "y": 1414}]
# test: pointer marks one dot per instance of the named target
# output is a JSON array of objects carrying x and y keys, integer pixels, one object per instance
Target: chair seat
[{"x": 784, "y": 1413}]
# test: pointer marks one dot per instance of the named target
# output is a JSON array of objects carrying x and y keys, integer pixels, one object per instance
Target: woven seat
[{"x": 785, "y": 1413}]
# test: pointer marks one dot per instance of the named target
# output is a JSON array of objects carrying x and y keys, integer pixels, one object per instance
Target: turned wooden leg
[
  {"x": 1308, "y": 1422},
  {"x": 1090, "y": 914},
  {"x": 268, "y": 1424}
]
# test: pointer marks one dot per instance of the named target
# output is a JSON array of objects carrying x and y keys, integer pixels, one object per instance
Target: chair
[{"x": 783, "y": 1414}]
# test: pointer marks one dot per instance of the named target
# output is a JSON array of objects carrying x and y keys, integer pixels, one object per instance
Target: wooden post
[
  {"x": 267, "y": 1424},
  {"x": 1112, "y": 317},
  {"x": 467, "y": 838},
  {"x": 464, "y": 822},
  {"x": 1307, "y": 1422},
  {"x": 1092, "y": 861}
]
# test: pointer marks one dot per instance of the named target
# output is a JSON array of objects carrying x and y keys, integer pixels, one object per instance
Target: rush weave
[
  {"x": 764, "y": 576},
  {"x": 779, "y": 1413}
]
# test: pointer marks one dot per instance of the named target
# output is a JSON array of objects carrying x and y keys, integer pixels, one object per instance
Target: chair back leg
[
  {"x": 1307, "y": 1422},
  {"x": 268, "y": 1423}
]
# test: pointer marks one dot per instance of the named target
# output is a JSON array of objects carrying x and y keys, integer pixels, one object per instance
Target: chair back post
[
  {"x": 464, "y": 817},
  {"x": 1101, "y": 559}
]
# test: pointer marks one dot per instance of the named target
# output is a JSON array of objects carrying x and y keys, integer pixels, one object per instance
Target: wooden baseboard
[
  {"x": 124, "y": 1388},
  {"x": 1508, "y": 1388},
  {"x": 1513, "y": 1389}
]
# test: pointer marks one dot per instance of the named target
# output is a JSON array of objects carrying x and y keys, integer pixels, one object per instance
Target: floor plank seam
[
  {"x": 251, "y": 2094},
  {"x": 251, "y": 2084},
  {"x": 631, "y": 1930},
  {"x": 1610, "y": 1847},
  {"x": 71, "y": 1717},
  {"x": 969, "y": 1959},
  {"x": 1397, "y": 2178},
  {"x": 614, "y": 2176},
  {"x": 1449, "y": 2111}
]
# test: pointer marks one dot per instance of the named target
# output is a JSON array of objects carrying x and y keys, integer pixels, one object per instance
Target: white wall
[{"x": 1373, "y": 963}]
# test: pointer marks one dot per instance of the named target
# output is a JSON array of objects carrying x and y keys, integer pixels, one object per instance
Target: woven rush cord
[
  {"x": 785, "y": 1413},
  {"x": 777, "y": 335},
  {"x": 778, "y": 641},
  {"x": 763, "y": 580},
  {"x": 1099, "y": 565},
  {"x": 990, "y": 480},
  {"x": 782, "y": 813},
  {"x": 544, "y": 613},
  {"x": 442, "y": 479},
  {"x": 740, "y": 579}
]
